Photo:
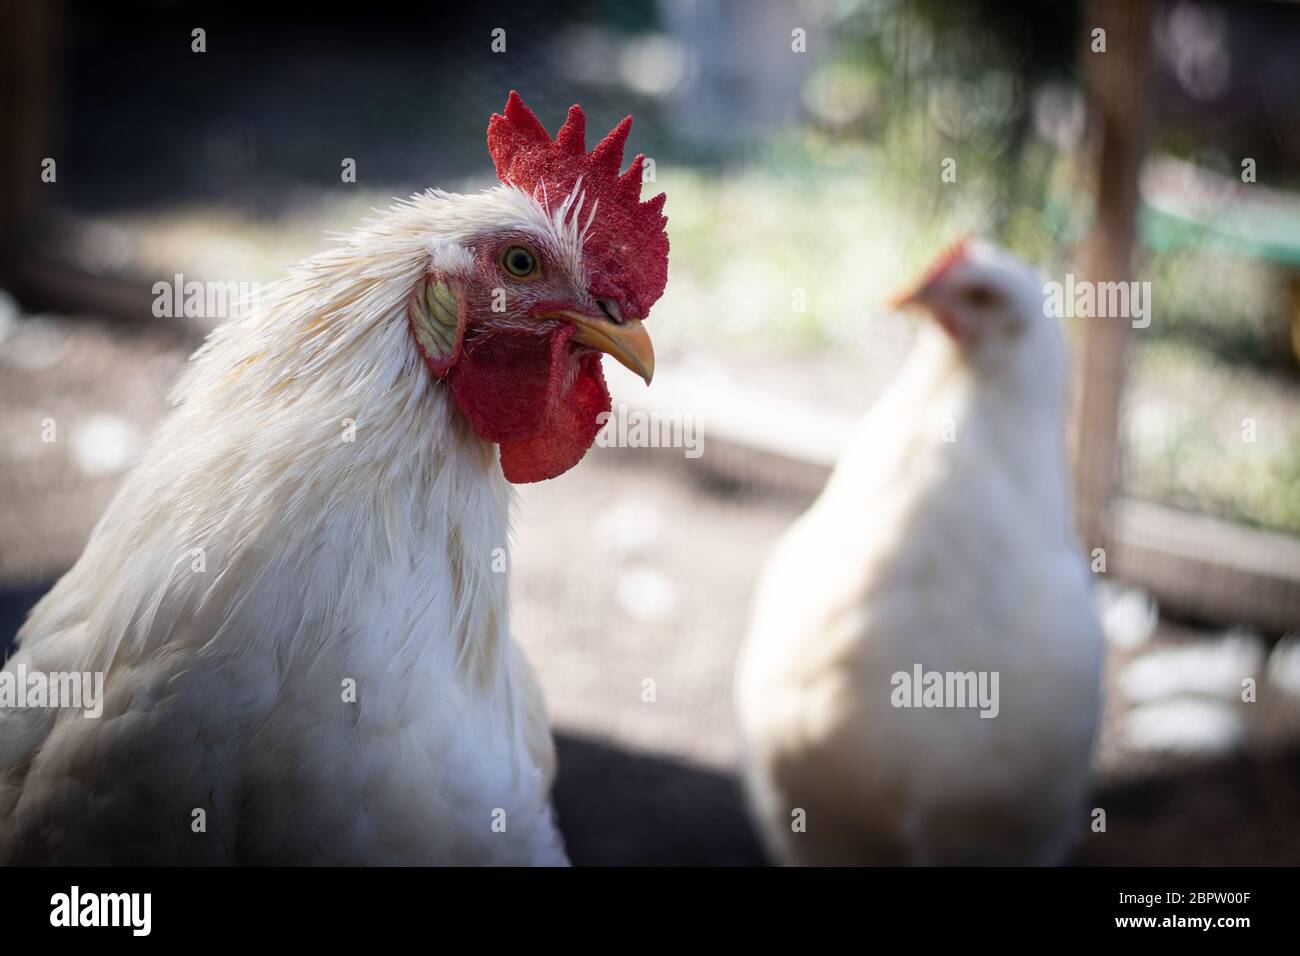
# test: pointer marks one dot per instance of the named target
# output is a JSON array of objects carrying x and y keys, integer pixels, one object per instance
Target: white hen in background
[{"x": 944, "y": 539}]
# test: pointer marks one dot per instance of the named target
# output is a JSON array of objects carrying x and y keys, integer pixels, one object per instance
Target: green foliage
[{"x": 1187, "y": 439}]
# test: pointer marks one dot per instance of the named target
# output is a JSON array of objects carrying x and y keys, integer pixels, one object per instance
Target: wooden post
[{"x": 1118, "y": 91}]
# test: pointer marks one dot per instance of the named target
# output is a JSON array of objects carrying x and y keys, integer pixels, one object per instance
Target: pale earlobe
[{"x": 437, "y": 319}]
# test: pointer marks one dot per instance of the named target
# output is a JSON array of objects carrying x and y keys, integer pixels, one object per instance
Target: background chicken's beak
[
  {"x": 915, "y": 296},
  {"x": 930, "y": 299},
  {"x": 626, "y": 341}
]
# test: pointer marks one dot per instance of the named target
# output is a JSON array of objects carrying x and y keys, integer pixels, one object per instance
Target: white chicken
[
  {"x": 298, "y": 600},
  {"x": 920, "y": 681}
]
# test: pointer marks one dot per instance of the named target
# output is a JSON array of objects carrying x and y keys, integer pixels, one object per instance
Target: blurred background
[{"x": 801, "y": 146}]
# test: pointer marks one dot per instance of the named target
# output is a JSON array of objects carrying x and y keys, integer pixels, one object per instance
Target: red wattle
[{"x": 524, "y": 392}]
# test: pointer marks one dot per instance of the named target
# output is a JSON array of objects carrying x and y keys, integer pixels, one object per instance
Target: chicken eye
[
  {"x": 519, "y": 262},
  {"x": 980, "y": 297}
]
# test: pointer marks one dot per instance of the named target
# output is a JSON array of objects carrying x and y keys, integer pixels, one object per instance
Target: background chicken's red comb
[
  {"x": 954, "y": 254},
  {"x": 627, "y": 248}
]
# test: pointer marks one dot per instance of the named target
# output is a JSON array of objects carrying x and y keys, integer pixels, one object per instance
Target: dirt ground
[{"x": 634, "y": 568}]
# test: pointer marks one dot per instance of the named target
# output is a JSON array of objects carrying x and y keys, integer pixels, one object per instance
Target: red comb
[
  {"x": 627, "y": 248},
  {"x": 954, "y": 254}
]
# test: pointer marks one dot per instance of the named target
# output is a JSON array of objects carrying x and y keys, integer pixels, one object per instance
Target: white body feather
[
  {"x": 955, "y": 554},
  {"x": 376, "y": 561}
]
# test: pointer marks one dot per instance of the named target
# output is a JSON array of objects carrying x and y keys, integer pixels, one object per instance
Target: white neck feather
[{"x": 343, "y": 506}]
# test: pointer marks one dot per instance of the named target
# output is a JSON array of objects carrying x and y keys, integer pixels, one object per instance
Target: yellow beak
[{"x": 626, "y": 341}]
